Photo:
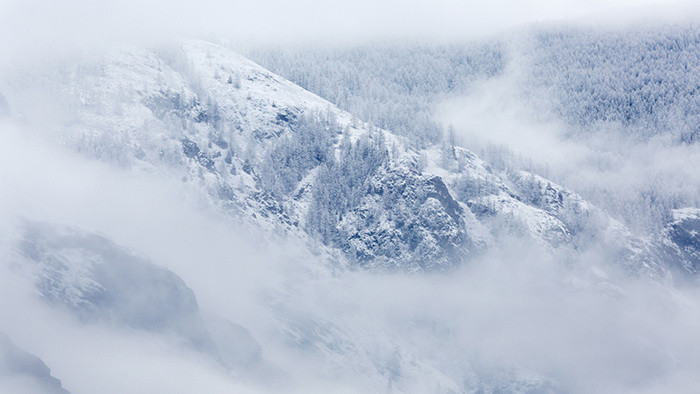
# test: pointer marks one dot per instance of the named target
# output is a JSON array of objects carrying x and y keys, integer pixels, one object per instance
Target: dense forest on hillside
[
  {"x": 620, "y": 93},
  {"x": 393, "y": 86},
  {"x": 645, "y": 81}
]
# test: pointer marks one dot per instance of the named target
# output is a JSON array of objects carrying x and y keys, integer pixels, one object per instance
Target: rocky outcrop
[
  {"x": 21, "y": 372},
  {"x": 679, "y": 241},
  {"x": 407, "y": 220}
]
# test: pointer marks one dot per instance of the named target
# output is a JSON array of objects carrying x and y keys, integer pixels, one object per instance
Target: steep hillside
[
  {"x": 100, "y": 282},
  {"x": 377, "y": 216},
  {"x": 680, "y": 240},
  {"x": 23, "y": 373},
  {"x": 276, "y": 155}
]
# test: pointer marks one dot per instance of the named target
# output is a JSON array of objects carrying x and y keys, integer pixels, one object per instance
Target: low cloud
[
  {"x": 39, "y": 28},
  {"x": 494, "y": 112},
  {"x": 603, "y": 162},
  {"x": 588, "y": 328}
]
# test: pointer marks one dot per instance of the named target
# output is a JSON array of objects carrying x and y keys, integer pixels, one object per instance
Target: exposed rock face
[
  {"x": 23, "y": 373},
  {"x": 408, "y": 220},
  {"x": 680, "y": 240}
]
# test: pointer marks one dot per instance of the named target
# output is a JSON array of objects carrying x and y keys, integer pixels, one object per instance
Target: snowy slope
[
  {"x": 203, "y": 116},
  {"x": 207, "y": 115}
]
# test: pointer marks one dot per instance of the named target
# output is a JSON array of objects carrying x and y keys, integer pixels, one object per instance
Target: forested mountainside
[
  {"x": 643, "y": 80},
  {"x": 393, "y": 86},
  {"x": 362, "y": 210},
  {"x": 290, "y": 161},
  {"x": 624, "y": 97}
]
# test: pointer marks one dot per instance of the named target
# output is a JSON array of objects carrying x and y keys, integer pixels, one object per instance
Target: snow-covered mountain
[
  {"x": 265, "y": 153},
  {"x": 258, "y": 145}
]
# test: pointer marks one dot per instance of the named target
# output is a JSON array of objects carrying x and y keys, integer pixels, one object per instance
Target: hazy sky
[{"x": 47, "y": 24}]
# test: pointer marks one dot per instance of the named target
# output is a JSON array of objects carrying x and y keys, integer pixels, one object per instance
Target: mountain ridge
[{"x": 215, "y": 117}]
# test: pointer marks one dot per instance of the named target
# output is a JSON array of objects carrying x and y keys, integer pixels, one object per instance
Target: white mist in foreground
[{"x": 513, "y": 311}]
